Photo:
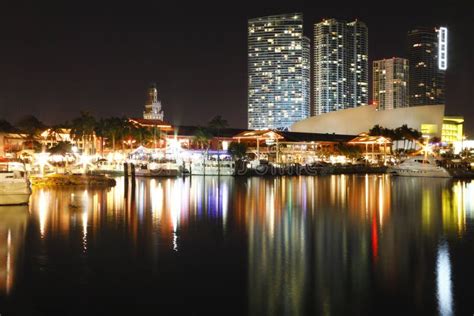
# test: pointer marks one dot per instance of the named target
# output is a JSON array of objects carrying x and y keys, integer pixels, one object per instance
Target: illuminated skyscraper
[
  {"x": 427, "y": 51},
  {"x": 390, "y": 83},
  {"x": 340, "y": 65},
  {"x": 153, "y": 106},
  {"x": 278, "y": 71}
]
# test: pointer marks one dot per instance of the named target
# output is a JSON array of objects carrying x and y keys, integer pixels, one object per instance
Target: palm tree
[
  {"x": 238, "y": 150},
  {"x": 216, "y": 124},
  {"x": 83, "y": 127},
  {"x": 142, "y": 134},
  {"x": 415, "y": 135},
  {"x": 377, "y": 130},
  {"x": 99, "y": 131},
  {"x": 31, "y": 126},
  {"x": 405, "y": 133},
  {"x": 202, "y": 137},
  {"x": 127, "y": 132},
  {"x": 113, "y": 129}
]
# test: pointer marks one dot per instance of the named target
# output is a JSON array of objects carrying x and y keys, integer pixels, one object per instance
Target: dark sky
[{"x": 57, "y": 58}]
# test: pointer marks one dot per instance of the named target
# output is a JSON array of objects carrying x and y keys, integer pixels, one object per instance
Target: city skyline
[{"x": 101, "y": 61}]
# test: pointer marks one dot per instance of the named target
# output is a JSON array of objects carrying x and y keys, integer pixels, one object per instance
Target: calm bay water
[{"x": 286, "y": 246}]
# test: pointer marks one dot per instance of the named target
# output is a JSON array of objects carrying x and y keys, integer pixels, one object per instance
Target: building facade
[
  {"x": 427, "y": 52},
  {"x": 278, "y": 72},
  {"x": 340, "y": 65},
  {"x": 390, "y": 83},
  {"x": 153, "y": 109},
  {"x": 452, "y": 129}
]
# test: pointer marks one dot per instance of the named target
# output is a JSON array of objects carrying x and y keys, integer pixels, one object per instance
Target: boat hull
[
  {"x": 401, "y": 172},
  {"x": 113, "y": 173},
  {"x": 197, "y": 171},
  {"x": 15, "y": 193},
  {"x": 14, "y": 199},
  {"x": 212, "y": 168},
  {"x": 157, "y": 173}
]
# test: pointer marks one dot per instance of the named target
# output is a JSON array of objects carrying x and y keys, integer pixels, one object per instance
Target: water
[{"x": 328, "y": 245}]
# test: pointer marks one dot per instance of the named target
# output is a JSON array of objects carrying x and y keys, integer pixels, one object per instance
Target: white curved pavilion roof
[{"x": 361, "y": 119}]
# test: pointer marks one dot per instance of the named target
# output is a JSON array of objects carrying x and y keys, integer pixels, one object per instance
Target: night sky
[{"x": 57, "y": 58}]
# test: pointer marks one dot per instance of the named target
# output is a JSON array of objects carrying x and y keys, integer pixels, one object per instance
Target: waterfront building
[
  {"x": 452, "y": 129},
  {"x": 278, "y": 71},
  {"x": 11, "y": 143},
  {"x": 390, "y": 83},
  {"x": 427, "y": 52},
  {"x": 52, "y": 136},
  {"x": 157, "y": 128},
  {"x": 426, "y": 119},
  {"x": 340, "y": 65},
  {"x": 186, "y": 136},
  {"x": 153, "y": 109},
  {"x": 284, "y": 147}
]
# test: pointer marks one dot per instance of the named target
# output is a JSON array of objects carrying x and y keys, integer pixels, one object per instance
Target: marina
[
  {"x": 278, "y": 158},
  {"x": 295, "y": 241}
]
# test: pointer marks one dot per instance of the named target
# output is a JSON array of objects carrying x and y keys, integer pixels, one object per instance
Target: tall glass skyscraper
[
  {"x": 340, "y": 65},
  {"x": 427, "y": 51},
  {"x": 390, "y": 83},
  {"x": 278, "y": 72}
]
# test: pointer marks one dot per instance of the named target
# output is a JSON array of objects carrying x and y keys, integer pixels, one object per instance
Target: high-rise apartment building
[
  {"x": 340, "y": 65},
  {"x": 278, "y": 72},
  {"x": 427, "y": 52},
  {"x": 390, "y": 83}
]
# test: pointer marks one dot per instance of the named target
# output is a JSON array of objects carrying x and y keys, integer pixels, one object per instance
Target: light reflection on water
[
  {"x": 443, "y": 281},
  {"x": 13, "y": 224},
  {"x": 324, "y": 245}
]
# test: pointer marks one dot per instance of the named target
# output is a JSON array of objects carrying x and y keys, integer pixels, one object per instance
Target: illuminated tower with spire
[{"x": 153, "y": 106}]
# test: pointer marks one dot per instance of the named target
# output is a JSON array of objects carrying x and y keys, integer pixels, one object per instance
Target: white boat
[
  {"x": 15, "y": 187},
  {"x": 420, "y": 166},
  {"x": 158, "y": 169},
  {"x": 104, "y": 166},
  {"x": 213, "y": 167}
]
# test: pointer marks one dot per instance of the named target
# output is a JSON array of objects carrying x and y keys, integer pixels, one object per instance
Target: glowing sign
[{"x": 443, "y": 48}]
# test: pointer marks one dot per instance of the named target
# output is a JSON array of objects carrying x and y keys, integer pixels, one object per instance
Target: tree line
[
  {"x": 118, "y": 132},
  {"x": 403, "y": 133},
  {"x": 114, "y": 132}
]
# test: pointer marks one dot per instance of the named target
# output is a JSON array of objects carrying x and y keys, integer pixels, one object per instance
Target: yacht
[
  {"x": 158, "y": 169},
  {"x": 103, "y": 166},
  {"x": 420, "y": 166},
  {"x": 207, "y": 167},
  {"x": 15, "y": 187}
]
